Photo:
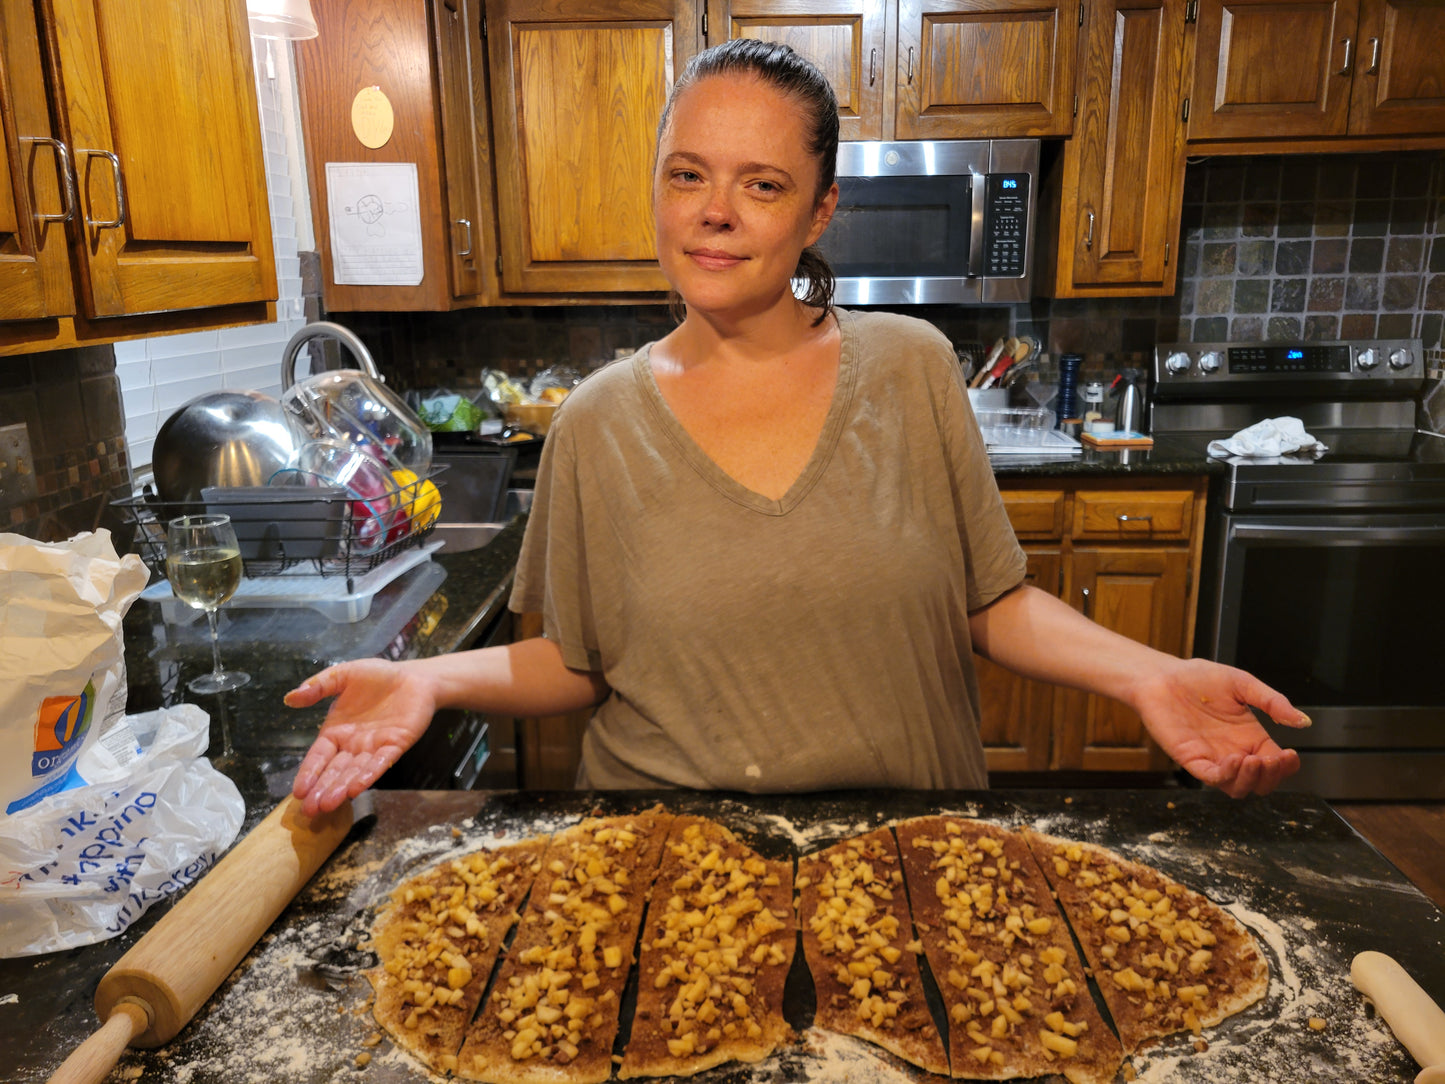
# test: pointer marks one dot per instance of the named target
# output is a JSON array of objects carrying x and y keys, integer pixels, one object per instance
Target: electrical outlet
[{"x": 17, "y": 469}]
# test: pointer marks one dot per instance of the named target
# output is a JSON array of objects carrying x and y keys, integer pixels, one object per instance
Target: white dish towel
[{"x": 1271, "y": 437}]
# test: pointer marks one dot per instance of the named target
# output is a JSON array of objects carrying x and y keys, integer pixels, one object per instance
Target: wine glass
[{"x": 203, "y": 563}]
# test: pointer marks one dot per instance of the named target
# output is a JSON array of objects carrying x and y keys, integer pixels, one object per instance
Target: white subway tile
[
  {"x": 191, "y": 342},
  {"x": 185, "y": 369}
]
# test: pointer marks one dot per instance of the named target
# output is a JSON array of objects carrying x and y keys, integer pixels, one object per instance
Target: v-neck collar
[{"x": 833, "y": 426}]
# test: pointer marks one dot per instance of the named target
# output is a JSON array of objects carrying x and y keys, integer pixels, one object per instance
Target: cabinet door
[
  {"x": 577, "y": 91},
  {"x": 844, "y": 38},
  {"x": 986, "y": 68},
  {"x": 1124, "y": 167},
  {"x": 1272, "y": 69},
  {"x": 1015, "y": 714},
  {"x": 1141, "y": 594},
  {"x": 36, "y": 190},
  {"x": 454, "y": 39},
  {"x": 1399, "y": 84},
  {"x": 158, "y": 103}
]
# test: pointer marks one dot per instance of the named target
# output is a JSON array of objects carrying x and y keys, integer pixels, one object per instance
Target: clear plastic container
[{"x": 1016, "y": 427}]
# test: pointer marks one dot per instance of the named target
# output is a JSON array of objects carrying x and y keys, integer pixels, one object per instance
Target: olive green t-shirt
[{"x": 812, "y": 642}]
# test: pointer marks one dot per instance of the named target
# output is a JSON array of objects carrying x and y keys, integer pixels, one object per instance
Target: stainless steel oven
[{"x": 1325, "y": 576}]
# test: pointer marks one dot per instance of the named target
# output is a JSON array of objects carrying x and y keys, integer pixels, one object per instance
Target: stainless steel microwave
[{"x": 934, "y": 222}]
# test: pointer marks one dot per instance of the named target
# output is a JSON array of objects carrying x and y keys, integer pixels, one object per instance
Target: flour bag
[{"x": 62, "y": 658}]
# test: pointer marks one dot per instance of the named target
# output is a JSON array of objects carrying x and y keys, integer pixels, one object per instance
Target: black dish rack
[{"x": 325, "y": 531}]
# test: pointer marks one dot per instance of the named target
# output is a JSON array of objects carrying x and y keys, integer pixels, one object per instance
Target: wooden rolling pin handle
[
  {"x": 1413, "y": 1016},
  {"x": 96, "y": 1057}
]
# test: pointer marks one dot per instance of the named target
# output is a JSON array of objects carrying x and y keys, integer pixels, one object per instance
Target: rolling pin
[
  {"x": 1415, "y": 1019},
  {"x": 156, "y": 987}
]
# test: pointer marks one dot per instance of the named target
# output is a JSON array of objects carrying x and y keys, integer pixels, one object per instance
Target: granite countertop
[{"x": 1166, "y": 457}]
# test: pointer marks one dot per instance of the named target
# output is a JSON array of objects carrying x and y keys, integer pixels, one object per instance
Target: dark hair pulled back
[{"x": 789, "y": 73}]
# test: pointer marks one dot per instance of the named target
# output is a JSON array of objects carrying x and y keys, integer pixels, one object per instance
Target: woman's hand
[
  {"x": 1198, "y": 712},
  {"x": 381, "y": 709}
]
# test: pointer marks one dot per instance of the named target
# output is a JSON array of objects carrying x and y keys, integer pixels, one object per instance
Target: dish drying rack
[{"x": 292, "y": 532}]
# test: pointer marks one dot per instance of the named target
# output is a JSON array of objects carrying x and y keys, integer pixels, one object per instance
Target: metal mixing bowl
[{"x": 222, "y": 438}]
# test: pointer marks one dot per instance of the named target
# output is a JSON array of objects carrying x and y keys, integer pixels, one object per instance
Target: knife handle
[{"x": 1413, "y": 1016}]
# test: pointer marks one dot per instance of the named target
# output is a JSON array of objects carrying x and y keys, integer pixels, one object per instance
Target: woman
[{"x": 768, "y": 544}]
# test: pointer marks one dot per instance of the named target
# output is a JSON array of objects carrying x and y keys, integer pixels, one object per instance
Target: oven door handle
[{"x": 1338, "y": 534}]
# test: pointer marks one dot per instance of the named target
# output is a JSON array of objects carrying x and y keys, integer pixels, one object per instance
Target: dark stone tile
[
  {"x": 1189, "y": 265},
  {"x": 1375, "y": 179},
  {"x": 1214, "y": 297},
  {"x": 1225, "y": 183},
  {"x": 1357, "y": 325},
  {"x": 1401, "y": 292},
  {"x": 1212, "y": 329},
  {"x": 1367, "y": 254},
  {"x": 1327, "y": 293},
  {"x": 1333, "y": 218},
  {"x": 1435, "y": 294},
  {"x": 1371, "y": 218},
  {"x": 1243, "y": 329},
  {"x": 1408, "y": 216},
  {"x": 1321, "y": 328},
  {"x": 1396, "y": 325},
  {"x": 56, "y": 367},
  {"x": 1255, "y": 257},
  {"x": 1437, "y": 254},
  {"x": 1187, "y": 295},
  {"x": 104, "y": 417},
  {"x": 95, "y": 360},
  {"x": 1137, "y": 334},
  {"x": 1194, "y": 184},
  {"x": 1288, "y": 295},
  {"x": 1362, "y": 292},
  {"x": 1296, "y": 220},
  {"x": 1252, "y": 295},
  {"x": 1298, "y": 178},
  {"x": 63, "y": 426},
  {"x": 1331, "y": 256},
  {"x": 15, "y": 373},
  {"x": 1218, "y": 259},
  {"x": 1221, "y": 220},
  {"x": 1261, "y": 179},
  {"x": 1292, "y": 258},
  {"x": 1431, "y": 326},
  {"x": 1404, "y": 253},
  {"x": 1336, "y": 179},
  {"x": 1191, "y": 218},
  {"x": 1412, "y": 176},
  {"x": 1259, "y": 219},
  {"x": 1282, "y": 328}
]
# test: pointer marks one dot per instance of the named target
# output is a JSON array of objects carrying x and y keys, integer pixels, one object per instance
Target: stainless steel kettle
[{"x": 1129, "y": 410}]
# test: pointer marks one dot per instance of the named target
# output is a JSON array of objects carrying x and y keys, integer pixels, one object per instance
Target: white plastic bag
[
  {"x": 62, "y": 659},
  {"x": 80, "y": 866}
]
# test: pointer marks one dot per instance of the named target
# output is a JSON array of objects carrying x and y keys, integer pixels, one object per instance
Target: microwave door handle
[{"x": 975, "y": 231}]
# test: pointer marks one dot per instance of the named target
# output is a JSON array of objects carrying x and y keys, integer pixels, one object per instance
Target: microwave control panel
[{"x": 1005, "y": 224}]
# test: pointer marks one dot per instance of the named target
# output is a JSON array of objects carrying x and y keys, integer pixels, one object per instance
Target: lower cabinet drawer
[{"x": 1114, "y": 514}]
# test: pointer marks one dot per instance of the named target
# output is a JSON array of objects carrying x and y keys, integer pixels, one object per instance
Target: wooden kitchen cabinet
[
  {"x": 128, "y": 189},
  {"x": 576, "y": 91},
  {"x": 1115, "y": 190},
  {"x": 1127, "y": 557},
  {"x": 927, "y": 69},
  {"x": 419, "y": 54},
  {"x": 1317, "y": 70}
]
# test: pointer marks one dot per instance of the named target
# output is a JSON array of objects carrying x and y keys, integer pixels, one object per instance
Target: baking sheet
[{"x": 1313, "y": 891}]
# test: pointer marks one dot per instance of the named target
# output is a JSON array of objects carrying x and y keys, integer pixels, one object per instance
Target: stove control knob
[
  {"x": 1209, "y": 362},
  {"x": 1366, "y": 358},
  {"x": 1177, "y": 363},
  {"x": 1399, "y": 358}
]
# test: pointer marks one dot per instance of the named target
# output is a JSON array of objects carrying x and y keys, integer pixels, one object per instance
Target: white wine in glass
[{"x": 203, "y": 563}]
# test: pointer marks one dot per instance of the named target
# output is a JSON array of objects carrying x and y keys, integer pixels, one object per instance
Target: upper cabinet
[
  {"x": 132, "y": 181},
  {"x": 927, "y": 69},
  {"x": 577, "y": 87},
  {"x": 389, "y": 84},
  {"x": 1118, "y": 183},
  {"x": 1317, "y": 69}
]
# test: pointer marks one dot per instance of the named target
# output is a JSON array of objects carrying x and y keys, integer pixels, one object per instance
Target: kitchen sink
[{"x": 463, "y": 537}]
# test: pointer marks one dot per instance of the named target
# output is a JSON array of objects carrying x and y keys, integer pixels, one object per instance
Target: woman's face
[{"x": 735, "y": 195}]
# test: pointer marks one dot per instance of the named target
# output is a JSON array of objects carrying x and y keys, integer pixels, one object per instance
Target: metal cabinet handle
[
  {"x": 67, "y": 179},
  {"x": 1349, "y": 50},
  {"x": 1088, "y": 601},
  {"x": 1124, "y": 517},
  {"x": 119, "y": 219},
  {"x": 468, "y": 224},
  {"x": 872, "y": 65},
  {"x": 1089, "y": 235},
  {"x": 910, "y": 64},
  {"x": 1374, "y": 68}
]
